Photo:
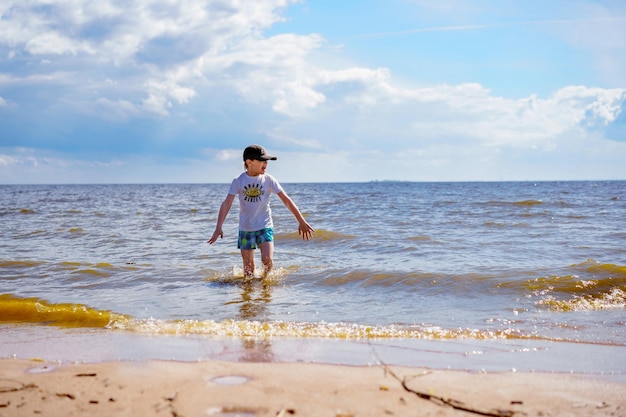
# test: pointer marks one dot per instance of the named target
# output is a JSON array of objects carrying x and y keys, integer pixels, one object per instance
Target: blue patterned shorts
[{"x": 252, "y": 240}]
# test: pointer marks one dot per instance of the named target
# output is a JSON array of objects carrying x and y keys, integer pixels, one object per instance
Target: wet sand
[{"x": 229, "y": 389}]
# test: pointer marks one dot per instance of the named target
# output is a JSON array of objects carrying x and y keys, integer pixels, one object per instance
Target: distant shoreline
[{"x": 324, "y": 183}]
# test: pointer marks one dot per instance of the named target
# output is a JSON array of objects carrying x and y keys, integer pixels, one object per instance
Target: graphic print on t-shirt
[{"x": 253, "y": 192}]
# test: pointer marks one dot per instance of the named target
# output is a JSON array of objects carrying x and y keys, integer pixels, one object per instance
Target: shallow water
[{"x": 519, "y": 262}]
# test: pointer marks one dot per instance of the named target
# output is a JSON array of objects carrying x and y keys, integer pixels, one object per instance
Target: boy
[{"x": 254, "y": 188}]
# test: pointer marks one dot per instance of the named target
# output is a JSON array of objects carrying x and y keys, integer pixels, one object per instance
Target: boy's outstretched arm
[
  {"x": 304, "y": 228},
  {"x": 224, "y": 209}
]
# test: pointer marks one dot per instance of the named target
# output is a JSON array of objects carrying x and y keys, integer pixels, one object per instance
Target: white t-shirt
[{"x": 254, "y": 200}]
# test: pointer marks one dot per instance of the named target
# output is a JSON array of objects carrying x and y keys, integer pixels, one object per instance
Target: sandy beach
[{"x": 216, "y": 388}]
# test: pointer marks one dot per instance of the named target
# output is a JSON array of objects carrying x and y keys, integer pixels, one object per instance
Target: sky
[{"x": 172, "y": 91}]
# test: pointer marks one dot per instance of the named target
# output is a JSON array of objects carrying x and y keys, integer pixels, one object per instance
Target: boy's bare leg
[
  {"x": 267, "y": 257},
  {"x": 247, "y": 255}
]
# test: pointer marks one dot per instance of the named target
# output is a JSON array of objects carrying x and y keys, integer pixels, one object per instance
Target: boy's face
[{"x": 255, "y": 167}]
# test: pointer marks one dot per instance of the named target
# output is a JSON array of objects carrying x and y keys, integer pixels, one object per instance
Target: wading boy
[{"x": 254, "y": 188}]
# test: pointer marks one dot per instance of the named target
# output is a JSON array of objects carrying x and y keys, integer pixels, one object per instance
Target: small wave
[
  {"x": 34, "y": 233},
  {"x": 422, "y": 283},
  {"x": 70, "y": 264},
  {"x": 40, "y": 312},
  {"x": 574, "y": 285},
  {"x": 586, "y": 275},
  {"x": 618, "y": 271},
  {"x": 420, "y": 238},
  {"x": 614, "y": 299},
  {"x": 31, "y": 234},
  {"x": 320, "y": 330},
  {"x": 528, "y": 203},
  {"x": 99, "y": 268},
  {"x": 36, "y": 311},
  {"x": 92, "y": 272},
  {"x": 494, "y": 224},
  {"x": 258, "y": 329},
  {"x": 322, "y": 235},
  {"x": 19, "y": 263},
  {"x": 594, "y": 286},
  {"x": 368, "y": 278}
]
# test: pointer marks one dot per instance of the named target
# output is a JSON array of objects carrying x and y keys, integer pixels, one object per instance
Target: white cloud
[
  {"x": 162, "y": 41},
  {"x": 156, "y": 104},
  {"x": 272, "y": 70},
  {"x": 374, "y": 111},
  {"x": 223, "y": 154},
  {"x": 204, "y": 62},
  {"x": 6, "y": 160},
  {"x": 52, "y": 43},
  {"x": 159, "y": 55}
]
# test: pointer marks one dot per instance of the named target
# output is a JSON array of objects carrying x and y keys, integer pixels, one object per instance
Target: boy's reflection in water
[{"x": 255, "y": 296}]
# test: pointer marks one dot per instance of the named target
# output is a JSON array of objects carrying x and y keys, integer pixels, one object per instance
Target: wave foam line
[
  {"x": 36, "y": 311},
  {"x": 614, "y": 299},
  {"x": 323, "y": 330},
  {"x": 257, "y": 329}
]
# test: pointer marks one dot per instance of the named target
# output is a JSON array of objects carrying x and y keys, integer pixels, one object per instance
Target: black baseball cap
[{"x": 258, "y": 153}]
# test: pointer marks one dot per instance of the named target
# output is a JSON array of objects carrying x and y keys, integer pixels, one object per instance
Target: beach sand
[{"x": 229, "y": 389}]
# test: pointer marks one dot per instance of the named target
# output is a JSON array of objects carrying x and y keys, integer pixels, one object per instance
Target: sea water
[{"x": 525, "y": 275}]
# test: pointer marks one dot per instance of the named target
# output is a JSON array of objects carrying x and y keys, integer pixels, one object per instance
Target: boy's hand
[
  {"x": 216, "y": 234},
  {"x": 305, "y": 230}
]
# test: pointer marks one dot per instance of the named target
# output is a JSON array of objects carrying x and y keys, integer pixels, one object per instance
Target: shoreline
[
  {"x": 229, "y": 389},
  {"x": 62, "y": 345},
  {"x": 58, "y": 372}
]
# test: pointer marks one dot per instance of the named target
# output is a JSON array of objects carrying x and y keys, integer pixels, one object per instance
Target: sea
[{"x": 473, "y": 276}]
